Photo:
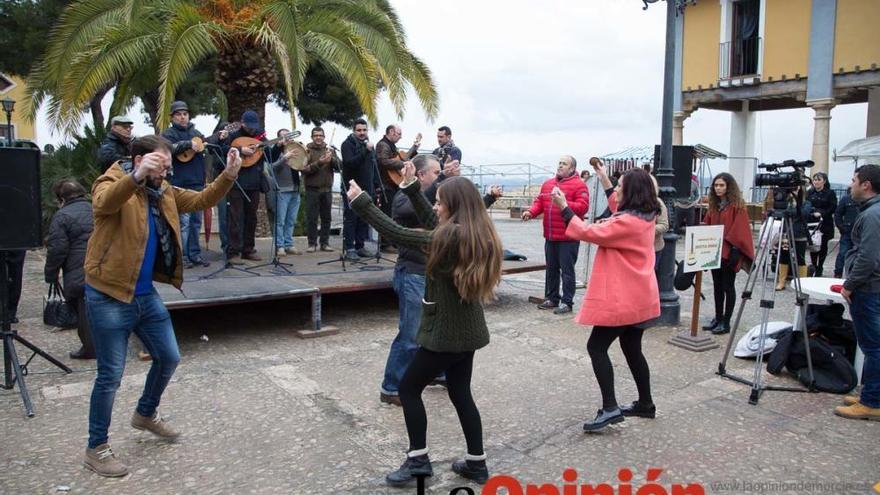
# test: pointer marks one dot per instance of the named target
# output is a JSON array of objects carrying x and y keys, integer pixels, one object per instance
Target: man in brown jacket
[
  {"x": 136, "y": 240},
  {"x": 391, "y": 165},
  {"x": 318, "y": 179}
]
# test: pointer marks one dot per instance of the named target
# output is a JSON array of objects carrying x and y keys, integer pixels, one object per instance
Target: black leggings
[
  {"x": 723, "y": 282},
  {"x": 818, "y": 259},
  {"x": 425, "y": 366},
  {"x": 631, "y": 345}
]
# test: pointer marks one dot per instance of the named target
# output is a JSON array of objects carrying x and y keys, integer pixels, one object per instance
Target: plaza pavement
[{"x": 263, "y": 411}]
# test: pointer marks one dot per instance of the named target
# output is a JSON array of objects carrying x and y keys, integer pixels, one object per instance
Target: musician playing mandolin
[
  {"x": 391, "y": 163},
  {"x": 244, "y": 201},
  {"x": 188, "y": 168}
]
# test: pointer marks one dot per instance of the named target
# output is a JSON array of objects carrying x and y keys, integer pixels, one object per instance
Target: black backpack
[{"x": 832, "y": 371}]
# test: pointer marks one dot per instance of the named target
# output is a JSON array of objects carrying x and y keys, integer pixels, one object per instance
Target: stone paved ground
[{"x": 265, "y": 412}]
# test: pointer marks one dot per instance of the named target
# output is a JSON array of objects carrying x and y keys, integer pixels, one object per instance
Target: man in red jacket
[{"x": 560, "y": 251}]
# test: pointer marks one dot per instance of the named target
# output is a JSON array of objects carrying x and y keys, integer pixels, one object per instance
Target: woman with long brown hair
[
  {"x": 464, "y": 267},
  {"x": 726, "y": 207}
]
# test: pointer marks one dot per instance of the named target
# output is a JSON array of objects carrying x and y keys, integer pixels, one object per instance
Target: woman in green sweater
[{"x": 464, "y": 266}]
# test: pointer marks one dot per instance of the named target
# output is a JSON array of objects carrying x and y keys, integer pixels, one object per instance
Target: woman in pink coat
[{"x": 622, "y": 297}]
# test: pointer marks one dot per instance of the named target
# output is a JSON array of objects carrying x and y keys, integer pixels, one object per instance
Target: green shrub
[{"x": 76, "y": 159}]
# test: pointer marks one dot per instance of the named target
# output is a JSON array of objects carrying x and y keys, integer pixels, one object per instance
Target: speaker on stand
[{"x": 21, "y": 212}]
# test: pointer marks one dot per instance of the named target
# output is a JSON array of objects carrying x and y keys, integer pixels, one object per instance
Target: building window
[{"x": 739, "y": 56}]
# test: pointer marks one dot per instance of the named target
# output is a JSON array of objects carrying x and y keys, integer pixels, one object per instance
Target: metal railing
[{"x": 739, "y": 58}]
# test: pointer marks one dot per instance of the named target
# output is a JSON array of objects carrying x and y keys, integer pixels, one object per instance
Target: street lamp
[
  {"x": 9, "y": 107},
  {"x": 670, "y": 309}
]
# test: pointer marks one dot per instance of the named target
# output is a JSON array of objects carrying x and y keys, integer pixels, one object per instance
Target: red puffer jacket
[{"x": 578, "y": 197}]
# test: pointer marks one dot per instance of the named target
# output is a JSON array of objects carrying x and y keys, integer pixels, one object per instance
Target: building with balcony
[
  {"x": 747, "y": 56},
  {"x": 19, "y": 127}
]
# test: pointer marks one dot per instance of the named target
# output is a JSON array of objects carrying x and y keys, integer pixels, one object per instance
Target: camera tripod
[
  {"x": 13, "y": 371},
  {"x": 761, "y": 269}
]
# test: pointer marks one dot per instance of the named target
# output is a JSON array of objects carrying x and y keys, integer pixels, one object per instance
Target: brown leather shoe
[
  {"x": 858, "y": 411},
  {"x": 102, "y": 461},
  {"x": 155, "y": 425},
  {"x": 234, "y": 260},
  {"x": 849, "y": 400},
  {"x": 390, "y": 399},
  {"x": 251, "y": 256}
]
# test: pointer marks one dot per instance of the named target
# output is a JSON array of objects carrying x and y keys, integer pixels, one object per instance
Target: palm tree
[{"x": 132, "y": 45}]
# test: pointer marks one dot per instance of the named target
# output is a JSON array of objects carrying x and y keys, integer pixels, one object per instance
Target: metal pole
[{"x": 670, "y": 308}]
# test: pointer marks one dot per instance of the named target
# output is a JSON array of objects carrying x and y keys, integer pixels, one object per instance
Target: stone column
[
  {"x": 821, "y": 130},
  {"x": 873, "y": 112},
  {"x": 678, "y": 119},
  {"x": 742, "y": 149}
]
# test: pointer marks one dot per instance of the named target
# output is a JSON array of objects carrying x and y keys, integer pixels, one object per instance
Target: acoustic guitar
[
  {"x": 257, "y": 146},
  {"x": 198, "y": 144},
  {"x": 396, "y": 176}
]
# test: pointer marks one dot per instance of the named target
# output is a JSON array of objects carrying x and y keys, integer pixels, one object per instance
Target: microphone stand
[
  {"x": 278, "y": 265},
  {"x": 226, "y": 265}
]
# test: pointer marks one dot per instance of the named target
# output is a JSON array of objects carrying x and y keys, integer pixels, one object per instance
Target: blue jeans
[
  {"x": 112, "y": 322},
  {"x": 865, "y": 312},
  {"x": 560, "y": 256},
  {"x": 190, "y": 227},
  {"x": 410, "y": 289},
  {"x": 285, "y": 219},
  {"x": 843, "y": 248}
]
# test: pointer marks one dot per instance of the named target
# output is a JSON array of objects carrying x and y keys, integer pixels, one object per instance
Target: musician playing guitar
[
  {"x": 244, "y": 200},
  {"x": 391, "y": 163},
  {"x": 188, "y": 169}
]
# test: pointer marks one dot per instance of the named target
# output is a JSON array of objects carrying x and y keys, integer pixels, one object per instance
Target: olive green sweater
[{"x": 448, "y": 324}]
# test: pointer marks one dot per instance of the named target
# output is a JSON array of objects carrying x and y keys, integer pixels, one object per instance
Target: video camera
[
  {"x": 785, "y": 180},
  {"x": 785, "y": 184}
]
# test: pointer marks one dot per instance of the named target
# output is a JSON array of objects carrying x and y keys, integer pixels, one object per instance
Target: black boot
[
  {"x": 82, "y": 353},
  {"x": 411, "y": 468},
  {"x": 722, "y": 327},
  {"x": 712, "y": 324},
  {"x": 640, "y": 410},
  {"x": 603, "y": 419},
  {"x": 472, "y": 470}
]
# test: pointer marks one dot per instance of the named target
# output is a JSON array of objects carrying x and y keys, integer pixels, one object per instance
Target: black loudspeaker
[
  {"x": 682, "y": 166},
  {"x": 20, "y": 198}
]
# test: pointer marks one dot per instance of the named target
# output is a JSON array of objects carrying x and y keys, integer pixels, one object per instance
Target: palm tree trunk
[{"x": 247, "y": 75}]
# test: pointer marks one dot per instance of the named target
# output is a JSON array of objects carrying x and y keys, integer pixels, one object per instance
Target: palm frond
[{"x": 189, "y": 39}]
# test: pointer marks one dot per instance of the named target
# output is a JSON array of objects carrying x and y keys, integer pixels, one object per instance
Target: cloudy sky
[{"x": 523, "y": 81}]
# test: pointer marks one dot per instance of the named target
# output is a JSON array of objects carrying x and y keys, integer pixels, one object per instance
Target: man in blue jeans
[
  {"x": 188, "y": 166},
  {"x": 862, "y": 291},
  {"x": 409, "y": 284},
  {"x": 136, "y": 240}
]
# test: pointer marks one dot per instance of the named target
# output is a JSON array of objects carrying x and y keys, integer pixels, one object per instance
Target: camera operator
[
  {"x": 801, "y": 211},
  {"x": 824, "y": 203}
]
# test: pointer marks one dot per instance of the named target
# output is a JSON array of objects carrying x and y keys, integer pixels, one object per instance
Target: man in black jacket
[
  {"x": 115, "y": 145},
  {"x": 844, "y": 217},
  {"x": 188, "y": 175},
  {"x": 358, "y": 164},
  {"x": 244, "y": 199},
  {"x": 66, "y": 252}
]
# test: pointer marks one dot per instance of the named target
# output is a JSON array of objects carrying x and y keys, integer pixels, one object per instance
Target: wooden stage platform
[{"x": 306, "y": 276}]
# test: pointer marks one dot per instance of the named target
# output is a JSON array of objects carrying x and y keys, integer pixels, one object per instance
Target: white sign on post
[{"x": 702, "y": 247}]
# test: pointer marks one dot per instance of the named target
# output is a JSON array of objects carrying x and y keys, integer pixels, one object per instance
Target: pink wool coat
[{"x": 623, "y": 288}]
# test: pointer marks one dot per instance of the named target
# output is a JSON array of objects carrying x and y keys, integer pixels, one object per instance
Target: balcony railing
[{"x": 739, "y": 58}]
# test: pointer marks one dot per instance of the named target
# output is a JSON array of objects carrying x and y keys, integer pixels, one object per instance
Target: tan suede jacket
[{"x": 116, "y": 249}]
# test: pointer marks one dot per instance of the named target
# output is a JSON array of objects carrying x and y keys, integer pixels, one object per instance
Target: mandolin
[
  {"x": 199, "y": 144},
  {"x": 257, "y": 146}
]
